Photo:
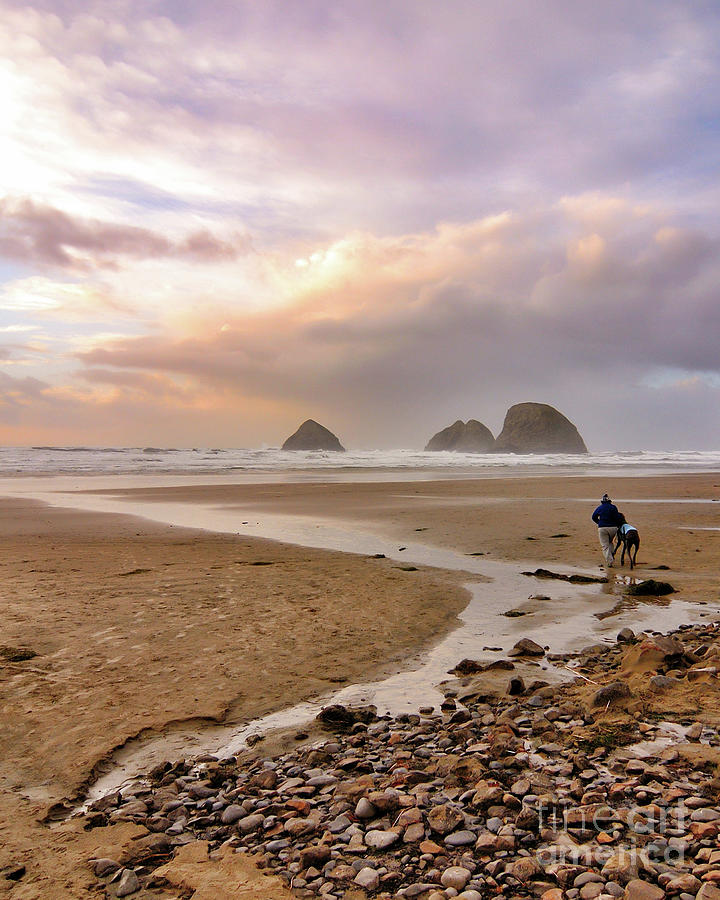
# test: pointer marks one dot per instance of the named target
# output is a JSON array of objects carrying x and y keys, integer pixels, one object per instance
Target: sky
[{"x": 220, "y": 219}]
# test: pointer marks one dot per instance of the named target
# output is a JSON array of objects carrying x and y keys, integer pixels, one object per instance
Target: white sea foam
[{"x": 147, "y": 460}]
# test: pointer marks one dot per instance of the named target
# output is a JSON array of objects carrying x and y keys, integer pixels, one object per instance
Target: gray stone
[
  {"x": 321, "y": 781},
  {"x": 232, "y": 814},
  {"x": 368, "y": 879},
  {"x": 251, "y": 823},
  {"x": 105, "y": 866},
  {"x": 415, "y": 890},
  {"x": 455, "y": 877},
  {"x": 586, "y": 878},
  {"x": 365, "y": 809},
  {"x": 338, "y": 824},
  {"x": 460, "y": 839},
  {"x": 379, "y": 840},
  {"x": 705, "y": 815},
  {"x": 277, "y": 845},
  {"x": 662, "y": 682},
  {"x": 129, "y": 884}
]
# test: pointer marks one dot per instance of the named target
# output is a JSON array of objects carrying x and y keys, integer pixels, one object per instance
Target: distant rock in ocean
[
  {"x": 538, "y": 428},
  {"x": 312, "y": 436},
  {"x": 466, "y": 437}
]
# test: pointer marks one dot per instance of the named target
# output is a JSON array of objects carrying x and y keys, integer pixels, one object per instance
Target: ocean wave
[{"x": 172, "y": 460}]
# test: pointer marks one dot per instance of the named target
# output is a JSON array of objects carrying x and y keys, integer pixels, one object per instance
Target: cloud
[
  {"x": 450, "y": 205},
  {"x": 48, "y": 237},
  {"x": 148, "y": 384},
  {"x": 468, "y": 317},
  {"x": 18, "y": 395},
  {"x": 294, "y": 119}
]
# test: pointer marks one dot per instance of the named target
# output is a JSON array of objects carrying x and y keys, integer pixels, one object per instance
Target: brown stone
[
  {"x": 343, "y": 873},
  {"x": 414, "y": 832},
  {"x": 487, "y": 792},
  {"x": 527, "y": 647},
  {"x": 265, "y": 780},
  {"x": 611, "y": 693},
  {"x": 637, "y": 889},
  {"x": 625, "y": 866},
  {"x": 444, "y": 819},
  {"x": 430, "y": 847},
  {"x": 651, "y": 653},
  {"x": 525, "y": 869},
  {"x": 301, "y": 806},
  {"x": 708, "y": 892},
  {"x": 703, "y": 830},
  {"x": 317, "y": 856}
]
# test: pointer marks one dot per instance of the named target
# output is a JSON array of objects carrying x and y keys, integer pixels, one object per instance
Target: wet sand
[
  {"x": 541, "y": 518},
  {"x": 138, "y": 625}
]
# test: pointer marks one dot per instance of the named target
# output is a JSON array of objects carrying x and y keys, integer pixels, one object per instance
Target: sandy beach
[{"x": 139, "y": 626}]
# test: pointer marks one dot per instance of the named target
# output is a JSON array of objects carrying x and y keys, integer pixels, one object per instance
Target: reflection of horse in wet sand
[{"x": 628, "y": 536}]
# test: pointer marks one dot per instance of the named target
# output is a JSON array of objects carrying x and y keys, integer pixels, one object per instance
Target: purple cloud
[
  {"x": 456, "y": 328},
  {"x": 144, "y": 137},
  {"x": 41, "y": 235}
]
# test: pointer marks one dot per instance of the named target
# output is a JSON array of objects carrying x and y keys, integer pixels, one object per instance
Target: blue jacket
[{"x": 606, "y": 515}]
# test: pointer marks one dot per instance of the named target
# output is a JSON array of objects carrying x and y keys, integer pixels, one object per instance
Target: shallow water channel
[{"x": 565, "y": 617}]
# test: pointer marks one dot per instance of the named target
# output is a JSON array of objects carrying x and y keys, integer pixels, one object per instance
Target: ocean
[{"x": 365, "y": 464}]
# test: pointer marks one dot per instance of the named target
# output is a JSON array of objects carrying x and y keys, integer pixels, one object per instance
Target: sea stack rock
[
  {"x": 538, "y": 428},
  {"x": 466, "y": 437},
  {"x": 312, "y": 436}
]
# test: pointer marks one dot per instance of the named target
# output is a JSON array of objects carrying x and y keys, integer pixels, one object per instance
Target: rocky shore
[{"x": 600, "y": 787}]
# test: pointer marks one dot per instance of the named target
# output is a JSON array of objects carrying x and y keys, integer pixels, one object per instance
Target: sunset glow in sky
[{"x": 219, "y": 219}]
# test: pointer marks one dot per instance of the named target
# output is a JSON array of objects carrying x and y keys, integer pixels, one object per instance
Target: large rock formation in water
[
  {"x": 538, "y": 428},
  {"x": 312, "y": 436},
  {"x": 466, "y": 437}
]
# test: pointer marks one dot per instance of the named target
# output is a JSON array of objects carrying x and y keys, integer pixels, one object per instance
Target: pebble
[
  {"x": 380, "y": 840},
  {"x": 232, "y": 814},
  {"x": 250, "y": 823},
  {"x": 466, "y": 803},
  {"x": 367, "y": 878},
  {"x": 705, "y": 815},
  {"x": 365, "y": 809},
  {"x": 637, "y": 889},
  {"x": 460, "y": 839},
  {"x": 129, "y": 883},
  {"x": 455, "y": 877},
  {"x": 105, "y": 866}
]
